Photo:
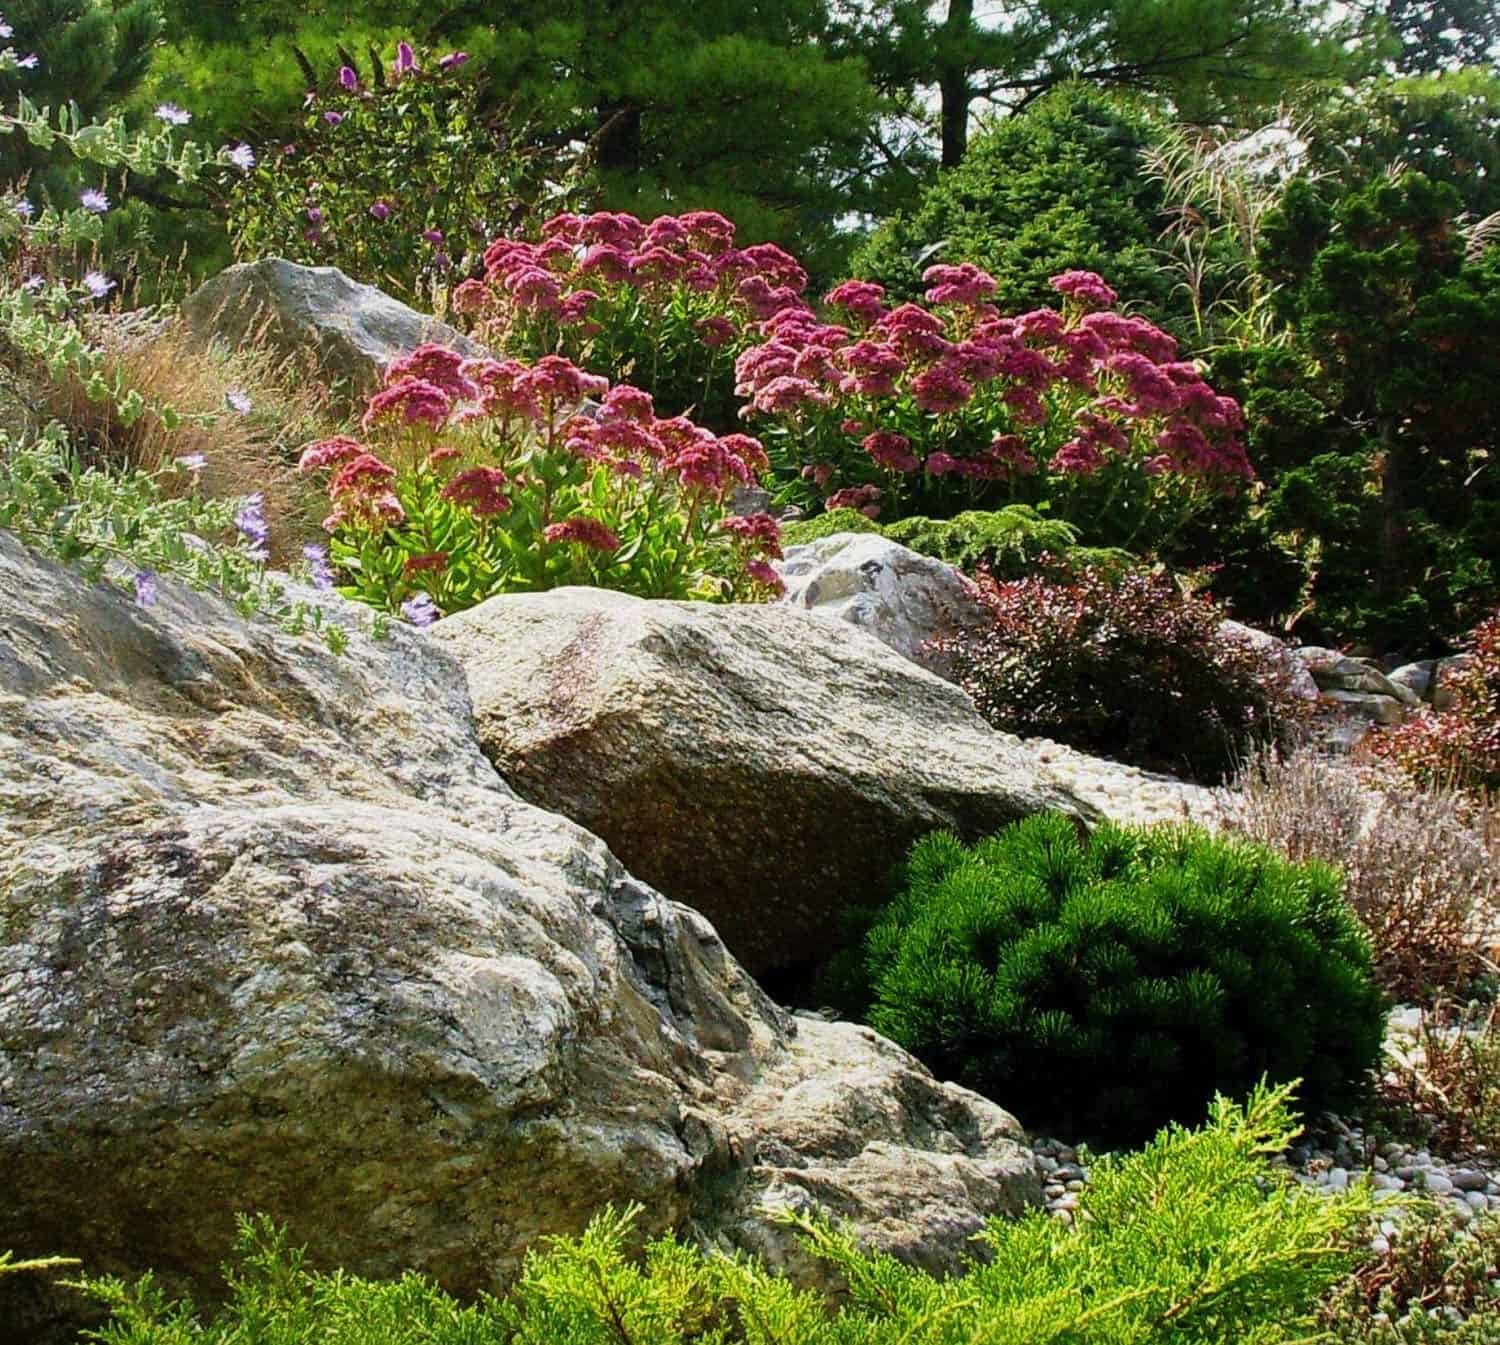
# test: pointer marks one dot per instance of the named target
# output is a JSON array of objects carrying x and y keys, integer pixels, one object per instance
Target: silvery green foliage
[{"x": 119, "y": 526}]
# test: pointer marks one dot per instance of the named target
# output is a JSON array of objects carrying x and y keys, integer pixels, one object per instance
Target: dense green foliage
[
  {"x": 1195, "y": 1240},
  {"x": 1375, "y": 424},
  {"x": 340, "y": 193},
  {"x": 1121, "y": 662},
  {"x": 1059, "y": 187},
  {"x": 1160, "y": 966}
]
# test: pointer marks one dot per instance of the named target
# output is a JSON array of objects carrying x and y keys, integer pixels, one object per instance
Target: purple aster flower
[
  {"x": 333, "y": 118},
  {"x": 420, "y": 610},
  {"x": 28, "y": 62},
  {"x": 406, "y": 58},
  {"x": 251, "y": 522},
  {"x": 380, "y": 210},
  {"x": 192, "y": 462},
  {"x": 453, "y": 60},
  {"x": 348, "y": 78},
  {"x": 242, "y": 157},
  {"x": 145, "y": 587},
  {"x": 172, "y": 115},
  {"x": 318, "y": 568},
  {"x": 93, "y": 200},
  {"x": 98, "y": 284},
  {"x": 33, "y": 283},
  {"x": 25, "y": 209},
  {"x": 238, "y": 401}
]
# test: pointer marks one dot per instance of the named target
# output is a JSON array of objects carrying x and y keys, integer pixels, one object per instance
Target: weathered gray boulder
[
  {"x": 1333, "y": 671},
  {"x": 1302, "y": 683},
  {"x": 1431, "y": 678},
  {"x": 902, "y": 598},
  {"x": 761, "y": 764},
  {"x": 275, "y": 937},
  {"x": 349, "y": 331}
]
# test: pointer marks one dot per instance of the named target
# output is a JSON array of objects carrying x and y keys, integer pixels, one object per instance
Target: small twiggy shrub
[
  {"x": 1103, "y": 985},
  {"x": 1126, "y": 665},
  {"x": 1197, "y": 1238},
  {"x": 1447, "y": 1080},
  {"x": 1460, "y": 745},
  {"x": 480, "y": 477},
  {"x": 1421, "y": 865},
  {"x": 1438, "y": 1282}
]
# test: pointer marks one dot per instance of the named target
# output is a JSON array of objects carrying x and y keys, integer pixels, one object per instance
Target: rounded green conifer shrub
[{"x": 1103, "y": 985}]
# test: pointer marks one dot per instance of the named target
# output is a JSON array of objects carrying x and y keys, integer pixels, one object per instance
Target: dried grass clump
[
  {"x": 1447, "y": 1079},
  {"x": 1421, "y": 864},
  {"x": 170, "y": 366}
]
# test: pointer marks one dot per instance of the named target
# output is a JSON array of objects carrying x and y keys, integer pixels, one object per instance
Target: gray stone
[
  {"x": 902, "y": 598},
  {"x": 1302, "y": 682},
  {"x": 348, "y": 331},
  {"x": 1333, "y": 671},
  {"x": 1415, "y": 677},
  {"x": 762, "y": 764},
  {"x": 1367, "y": 705},
  {"x": 274, "y": 936}
]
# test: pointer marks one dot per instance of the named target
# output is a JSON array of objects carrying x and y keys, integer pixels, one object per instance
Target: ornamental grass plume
[{"x": 476, "y": 477}]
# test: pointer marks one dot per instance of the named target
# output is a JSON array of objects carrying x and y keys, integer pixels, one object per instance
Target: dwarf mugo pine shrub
[{"x": 1103, "y": 985}]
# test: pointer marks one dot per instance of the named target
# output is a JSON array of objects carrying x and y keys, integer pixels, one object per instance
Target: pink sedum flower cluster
[
  {"x": 959, "y": 391},
  {"x": 478, "y": 476}
]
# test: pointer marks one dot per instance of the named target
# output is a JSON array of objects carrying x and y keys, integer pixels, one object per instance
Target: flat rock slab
[{"x": 764, "y": 765}]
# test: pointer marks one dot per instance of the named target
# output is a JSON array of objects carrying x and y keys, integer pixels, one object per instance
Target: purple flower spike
[
  {"x": 420, "y": 610},
  {"x": 318, "y": 568},
  {"x": 251, "y": 522},
  {"x": 145, "y": 587},
  {"x": 453, "y": 60},
  {"x": 348, "y": 78},
  {"x": 406, "y": 58}
]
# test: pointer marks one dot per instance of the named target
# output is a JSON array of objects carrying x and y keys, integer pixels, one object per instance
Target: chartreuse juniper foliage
[
  {"x": 1196, "y": 1238},
  {"x": 1103, "y": 985}
]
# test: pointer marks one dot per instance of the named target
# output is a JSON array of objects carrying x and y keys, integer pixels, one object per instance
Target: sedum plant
[
  {"x": 1195, "y": 1240},
  {"x": 479, "y": 477},
  {"x": 1102, "y": 985}
]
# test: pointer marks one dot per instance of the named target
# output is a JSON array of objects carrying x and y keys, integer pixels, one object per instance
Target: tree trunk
[
  {"x": 953, "y": 79},
  {"x": 619, "y": 143}
]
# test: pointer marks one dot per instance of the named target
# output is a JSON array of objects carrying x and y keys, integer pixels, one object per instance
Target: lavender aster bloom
[
  {"x": 172, "y": 115},
  {"x": 5, "y": 29},
  {"x": 251, "y": 521},
  {"x": 193, "y": 462},
  {"x": 348, "y": 78},
  {"x": 380, "y": 210},
  {"x": 33, "y": 283},
  {"x": 333, "y": 118},
  {"x": 25, "y": 209},
  {"x": 145, "y": 587},
  {"x": 98, "y": 284},
  {"x": 420, "y": 610},
  {"x": 318, "y": 568},
  {"x": 242, "y": 157},
  {"x": 94, "y": 200},
  {"x": 28, "y": 62},
  {"x": 238, "y": 401}
]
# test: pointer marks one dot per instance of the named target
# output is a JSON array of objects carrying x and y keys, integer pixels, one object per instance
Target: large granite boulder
[
  {"x": 761, "y": 764},
  {"x": 348, "y": 330},
  {"x": 275, "y": 937},
  {"x": 904, "y": 599}
]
